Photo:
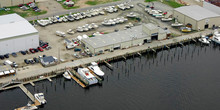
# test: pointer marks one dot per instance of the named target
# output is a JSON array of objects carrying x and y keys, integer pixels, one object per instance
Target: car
[
  {"x": 6, "y": 55},
  {"x": 20, "y": 5},
  {"x": 26, "y": 61},
  {"x": 48, "y": 48},
  {"x": 23, "y": 52},
  {"x": 14, "y": 54},
  {"x": 40, "y": 49},
  {"x": 44, "y": 46},
  {"x": 31, "y": 61},
  {"x": 36, "y": 60},
  {"x": 36, "y": 50},
  {"x": 27, "y": 51},
  {"x": 44, "y": 55},
  {"x": 2, "y": 57},
  {"x": 32, "y": 50}
]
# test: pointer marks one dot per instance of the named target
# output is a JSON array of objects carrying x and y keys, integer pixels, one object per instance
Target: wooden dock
[
  {"x": 77, "y": 80},
  {"x": 28, "y": 93},
  {"x": 108, "y": 65}
]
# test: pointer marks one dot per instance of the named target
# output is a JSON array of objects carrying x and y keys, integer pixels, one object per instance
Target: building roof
[
  {"x": 151, "y": 26},
  {"x": 196, "y": 12},
  {"x": 13, "y": 25},
  {"x": 48, "y": 59},
  {"x": 116, "y": 37}
]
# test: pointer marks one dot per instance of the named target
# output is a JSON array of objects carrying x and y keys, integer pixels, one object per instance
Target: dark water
[{"x": 185, "y": 78}]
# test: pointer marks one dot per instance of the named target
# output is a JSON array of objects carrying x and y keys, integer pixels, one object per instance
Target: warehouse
[
  {"x": 16, "y": 34},
  {"x": 199, "y": 17},
  {"x": 7, "y": 3},
  {"x": 135, "y": 36}
]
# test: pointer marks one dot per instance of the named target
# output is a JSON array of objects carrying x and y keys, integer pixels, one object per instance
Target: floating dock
[
  {"x": 28, "y": 93},
  {"x": 76, "y": 79}
]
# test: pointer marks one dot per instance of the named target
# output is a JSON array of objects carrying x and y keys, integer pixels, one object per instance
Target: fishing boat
[
  {"x": 67, "y": 74},
  {"x": 95, "y": 68},
  {"x": 40, "y": 98},
  {"x": 204, "y": 40},
  {"x": 85, "y": 73}
]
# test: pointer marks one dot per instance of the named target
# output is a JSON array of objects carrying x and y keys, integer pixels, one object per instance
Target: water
[{"x": 179, "y": 79}]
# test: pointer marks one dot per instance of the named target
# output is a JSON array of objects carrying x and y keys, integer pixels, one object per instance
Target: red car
[
  {"x": 20, "y": 5},
  {"x": 40, "y": 49},
  {"x": 29, "y": 3},
  {"x": 44, "y": 46},
  {"x": 31, "y": 50}
]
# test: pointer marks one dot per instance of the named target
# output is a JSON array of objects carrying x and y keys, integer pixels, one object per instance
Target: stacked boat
[
  {"x": 111, "y": 9},
  {"x": 111, "y": 22},
  {"x": 43, "y": 22},
  {"x": 87, "y": 27},
  {"x": 125, "y": 6},
  {"x": 177, "y": 24},
  {"x": 131, "y": 15}
]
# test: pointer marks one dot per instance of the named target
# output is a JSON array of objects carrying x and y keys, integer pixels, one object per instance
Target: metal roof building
[
  {"x": 199, "y": 17},
  {"x": 16, "y": 34},
  {"x": 135, "y": 36}
]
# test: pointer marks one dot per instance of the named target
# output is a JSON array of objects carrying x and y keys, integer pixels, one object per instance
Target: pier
[
  {"x": 28, "y": 93},
  {"x": 108, "y": 65},
  {"x": 77, "y": 78},
  {"x": 31, "y": 76}
]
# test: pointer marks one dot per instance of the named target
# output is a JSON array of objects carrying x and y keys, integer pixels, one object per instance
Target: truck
[
  {"x": 71, "y": 46},
  {"x": 12, "y": 64}
]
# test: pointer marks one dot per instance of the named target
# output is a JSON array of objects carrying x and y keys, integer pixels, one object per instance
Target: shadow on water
[{"x": 180, "y": 78}]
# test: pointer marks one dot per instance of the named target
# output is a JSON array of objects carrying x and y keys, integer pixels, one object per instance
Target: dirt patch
[{"x": 82, "y": 3}]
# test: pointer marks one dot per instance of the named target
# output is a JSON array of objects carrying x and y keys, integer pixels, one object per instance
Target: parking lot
[{"x": 48, "y": 34}]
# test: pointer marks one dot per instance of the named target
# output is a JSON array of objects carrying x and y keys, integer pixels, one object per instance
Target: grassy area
[
  {"x": 171, "y": 3},
  {"x": 27, "y": 13},
  {"x": 66, "y": 7},
  {"x": 96, "y": 2},
  {"x": 150, "y": 0}
]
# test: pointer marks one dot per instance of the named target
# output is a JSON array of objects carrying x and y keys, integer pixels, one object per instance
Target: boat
[
  {"x": 166, "y": 19},
  {"x": 185, "y": 29},
  {"x": 40, "y": 98},
  {"x": 85, "y": 73},
  {"x": 216, "y": 38},
  {"x": 176, "y": 24},
  {"x": 131, "y": 15},
  {"x": 67, "y": 74},
  {"x": 204, "y": 40},
  {"x": 29, "y": 107},
  {"x": 95, "y": 68},
  {"x": 70, "y": 31}
]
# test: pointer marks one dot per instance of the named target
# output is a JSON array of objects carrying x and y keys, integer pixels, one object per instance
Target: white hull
[
  {"x": 95, "y": 68},
  {"x": 66, "y": 75},
  {"x": 40, "y": 97},
  {"x": 204, "y": 41},
  {"x": 84, "y": 72}
]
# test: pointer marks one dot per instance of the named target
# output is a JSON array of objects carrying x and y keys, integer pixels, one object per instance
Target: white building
[
  {"x": 16, "y": 34},
  {"x": 200, "y": 18},
  {"x": 135, "y": 36}
]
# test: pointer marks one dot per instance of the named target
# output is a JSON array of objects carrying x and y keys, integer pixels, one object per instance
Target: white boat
[
  {"x": 95, "y": 68},
  {"x": 85, "y": 73},
  {"x": 67, "y": 74},
  {"x": 70, "y": 31},
  {"x": 40, "y": 98},
  {"x": 29, "y": 107},
  {"x": 203, "y": 40},
  {"x": 176, "y": 24},
  {"x": 216, "y": 38},
  {"x": 166, "y": 19},
  {"x": 131, "y": 15}
]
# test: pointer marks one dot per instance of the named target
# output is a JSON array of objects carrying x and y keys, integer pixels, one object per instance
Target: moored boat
[
  {"x": 40, "y": 98},
  {"x": 95, "y": 68},
  {"x": 67, "y": 74}
]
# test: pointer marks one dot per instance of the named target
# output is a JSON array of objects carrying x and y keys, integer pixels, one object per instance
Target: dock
[
  {"x": 49, "y": 79},
  {"x": 28, "y": 93},
  {"x": 76, "y": 79},
  {"x": 108, "y": 65},
  {"x": 32, "y": 83}
]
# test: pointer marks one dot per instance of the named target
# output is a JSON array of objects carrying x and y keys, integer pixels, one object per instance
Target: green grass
[
  {"x": 171, "y": 3},
  {"x": 150, "y": 0},
  {"x": 96, "y": 2},
  {"x": 66, "y": 7},
  {"x": 27, "y": 13}
]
